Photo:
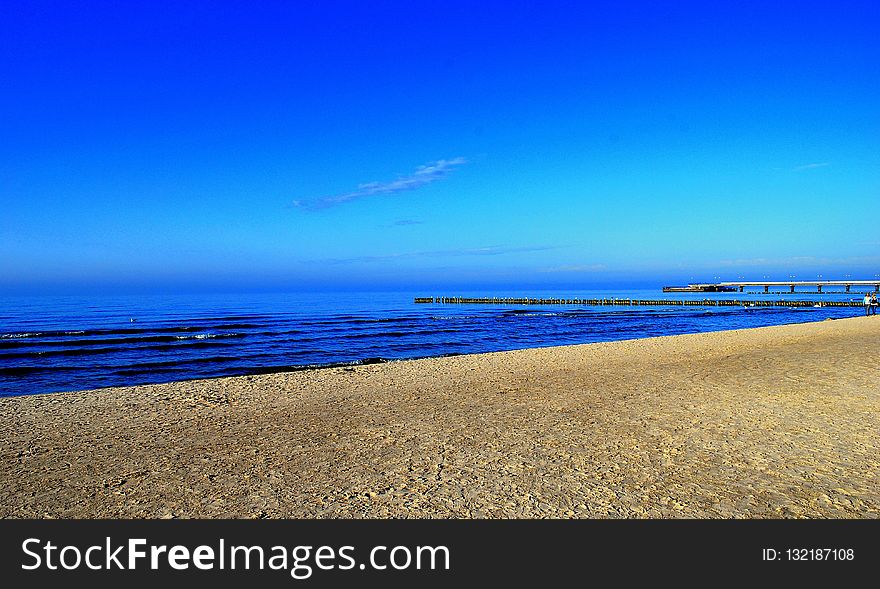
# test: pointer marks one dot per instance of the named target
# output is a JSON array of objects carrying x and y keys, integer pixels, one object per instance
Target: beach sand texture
[{"x": 770, "y": 422}]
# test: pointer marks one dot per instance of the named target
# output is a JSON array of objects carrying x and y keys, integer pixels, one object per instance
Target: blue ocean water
[{"x": 50, "y": 344}]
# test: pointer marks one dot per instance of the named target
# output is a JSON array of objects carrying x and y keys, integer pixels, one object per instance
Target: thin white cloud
[
  {"x": 423, "y": 176},
  {"x": 811, "y": 166},
  {"x": 797, "y": 261},
  {"x": 492, "y": 250},
  {"x": 577, "y": 268}
]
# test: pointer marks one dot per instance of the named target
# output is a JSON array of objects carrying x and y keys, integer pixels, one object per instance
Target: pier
[
  {"x": 630, "y": 302},
  {"x": 766, "y": 284}
]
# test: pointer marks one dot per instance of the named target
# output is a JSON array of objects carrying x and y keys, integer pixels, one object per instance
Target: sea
[{"x": 52, "y": 343}]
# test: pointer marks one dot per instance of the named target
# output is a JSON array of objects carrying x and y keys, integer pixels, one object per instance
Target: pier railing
[{"x": 631, "y": 302}]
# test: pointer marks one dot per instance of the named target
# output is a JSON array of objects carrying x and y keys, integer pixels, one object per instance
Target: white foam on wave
[
  {"x": 20, "y": 335},
  {"x": 196, "y": 336},
  {"x": 447, "y": 317},
  {"x": 204, "y": 336}
]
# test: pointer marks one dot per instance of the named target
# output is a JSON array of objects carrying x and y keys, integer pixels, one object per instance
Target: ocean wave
[
  {"x": 135, "y": 340},
  {"x": 130, "y": 330},
  {"x": 449, "y": 317},
  {"x": 347, "y": 320},
  {"x": 36, "y": 354},
  {"x": 176, "y": 364},
  {"x": 410, "y": 333},
  {"x": 143, "y": 371},
  {"x": 226, "y": 318},
  {"x": 235, "y": 326},
  {"x": 26, "y": 370},
  {"x": 206, "y": 336}
]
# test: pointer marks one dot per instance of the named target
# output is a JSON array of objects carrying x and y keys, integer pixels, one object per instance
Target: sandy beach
[{"x": 759, "y": 423}]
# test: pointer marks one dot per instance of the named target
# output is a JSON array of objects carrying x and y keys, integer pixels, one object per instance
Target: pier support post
[
  {"x": 741, "y": 288},
  {"x": 766, "y": 288},
  {"x": 791, "y": 287},
  {"x": 819, "y": 287},
  {"x": 847, "y": 288}
]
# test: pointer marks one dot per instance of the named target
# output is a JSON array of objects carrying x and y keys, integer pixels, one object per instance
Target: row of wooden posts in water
[{"x": 633, "y": 302}]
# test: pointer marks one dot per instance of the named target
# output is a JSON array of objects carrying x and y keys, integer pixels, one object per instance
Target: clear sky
[{"x": 419, "y": 145}]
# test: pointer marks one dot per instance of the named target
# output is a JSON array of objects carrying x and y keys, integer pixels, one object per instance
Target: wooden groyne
[{"x": 631, "y": 302}]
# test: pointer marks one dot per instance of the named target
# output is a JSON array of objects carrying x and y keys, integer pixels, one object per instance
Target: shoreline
[
  {"x": 270, "y": 370},
  {"x": 775, "y": 421}
]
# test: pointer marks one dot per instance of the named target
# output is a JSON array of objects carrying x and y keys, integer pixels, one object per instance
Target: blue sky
[{"x": 428, "y": 145}]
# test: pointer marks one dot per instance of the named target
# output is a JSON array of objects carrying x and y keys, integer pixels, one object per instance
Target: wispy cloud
[
  {"x": 492, "y": 250},
  {"x": 811, "y": 166},
  {"x": 407, "y": 222},
  {"x": 797, "y": 262},
  {"x": 423, "y": 176},
  {"x": 577, "y": 268}
]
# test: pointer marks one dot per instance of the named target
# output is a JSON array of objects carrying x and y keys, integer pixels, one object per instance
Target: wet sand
[{"x": 770, "y": 422}]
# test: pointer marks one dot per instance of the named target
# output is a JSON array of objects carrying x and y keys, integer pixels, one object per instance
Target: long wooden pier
[
  {"x": 631, "y": 302},
  {"x": 766, "y": 284}
]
